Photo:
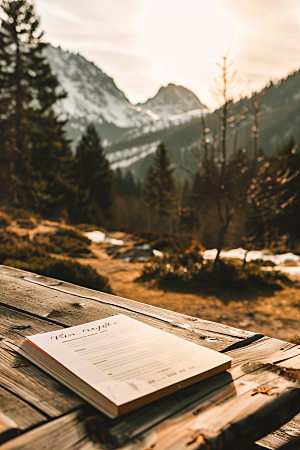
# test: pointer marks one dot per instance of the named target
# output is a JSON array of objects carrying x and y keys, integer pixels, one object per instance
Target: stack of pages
[{"x": 119, "y": 364}]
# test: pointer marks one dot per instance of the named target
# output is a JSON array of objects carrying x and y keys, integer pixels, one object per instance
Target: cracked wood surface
[{"x": 225, "y": 411}]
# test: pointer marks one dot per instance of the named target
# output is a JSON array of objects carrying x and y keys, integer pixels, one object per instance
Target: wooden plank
[
  {"x": 22, "y": 378},
  {"x": 65, "y": 433},
  {"x": 288, "y": 358},
  {"x": 291, "y": 363},
  {"x": 71, "y": 431},
  {"x": 60, "y": 307},
  {"x": 8, "y": 428},
  {"x": 34, "y": 386},
  {"x": 16, "y": 415},
  {"x": 285, "y": 434},
  {"x": 31, "y": 384},
  {"x": 225, "y": 419},
  {"x": 150, "y": 416},
  {"x": 142, "y": 308},
  {"x": 245, "y": 362}
]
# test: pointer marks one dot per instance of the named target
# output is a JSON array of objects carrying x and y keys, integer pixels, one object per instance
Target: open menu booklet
[{"x": 119, "y": 364}]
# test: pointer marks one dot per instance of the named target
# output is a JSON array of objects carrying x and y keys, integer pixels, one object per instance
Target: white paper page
[{"x": 125, "y": 359}]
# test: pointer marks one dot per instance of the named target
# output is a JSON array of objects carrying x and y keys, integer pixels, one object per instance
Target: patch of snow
[
  {"x": 287, "y": 257},
  {"x": 295, "y": 270},
  {"x": 148, "y": 111},
  {"x": 163, "y": 123},
  {"x": 99, "y": 236},
  {"x": 210, "y": 254},
  {"x": 95, "y": 236},
  {"x": 143, "y": 246},
  {"x": 158, "y": 253},
  {"x": 128, "y": 156},
  {"x": 239, "y": 253},
  {"x": 291, "y": 270},
  {"x": 113, "y": 241}
]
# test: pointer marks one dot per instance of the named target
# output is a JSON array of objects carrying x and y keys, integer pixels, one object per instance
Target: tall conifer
[
  {"x": 95, "y": 177},
  {"x": 28, "y": 91},
  {"x": 159, "y": 187}
]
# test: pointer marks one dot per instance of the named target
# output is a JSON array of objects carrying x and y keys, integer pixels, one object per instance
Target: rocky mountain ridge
[
  {"x": 173, "y": 99},
  {"x": 92, "y": 96},
  {"x": 131, "y": 133},
  {"x": 279, "y": 119}
]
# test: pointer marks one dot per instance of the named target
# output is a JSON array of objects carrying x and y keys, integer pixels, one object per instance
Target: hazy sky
[{"x": 144, "y": 44}]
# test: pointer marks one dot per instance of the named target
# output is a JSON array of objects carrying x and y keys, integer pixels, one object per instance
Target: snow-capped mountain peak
[
  {"x": 171, "y": 100},
  {"x": 91, "y": 94},
  {"x": 93, "y": 97}
]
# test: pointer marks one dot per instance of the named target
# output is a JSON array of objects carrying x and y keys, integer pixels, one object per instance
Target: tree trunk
[
  {"x": 149, "y": 219},
  {"x": 222, "y": 235}
]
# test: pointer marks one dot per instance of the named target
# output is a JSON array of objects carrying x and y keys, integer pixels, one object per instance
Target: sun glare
[{"x": 185, "y": 40}]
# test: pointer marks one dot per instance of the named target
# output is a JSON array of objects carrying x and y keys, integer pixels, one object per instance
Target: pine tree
[
  {"x": 28, "y": 91},
  {"x": 288, "y": 221},
  {"x": 52, "y": 185},
  {"x": 125, "y": 185},
  {"x": 159, "y": 186},
  {"x": 165, "y": 182},
  {"x": 189, "y": 215},
  {"x": 273, "y": 217},
  {"x": 95, "y": 176}
]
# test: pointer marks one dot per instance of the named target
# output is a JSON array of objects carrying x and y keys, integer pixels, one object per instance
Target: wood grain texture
[
  {"x": 226, "y": 411},
  {"x": 16, "y": 415},
  {"x": 228, "y": 418},
  {"x": 8, "y": 428},
  {"x": 66, "y": 433},
  {"x": 22, "y": 378},
  {"x": 285, "y": 434}
]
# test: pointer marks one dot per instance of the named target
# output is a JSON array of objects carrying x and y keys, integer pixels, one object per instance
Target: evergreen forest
[{"x": 232, "y": 196}]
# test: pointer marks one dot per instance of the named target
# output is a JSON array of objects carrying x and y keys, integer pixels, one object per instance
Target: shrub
[
  {"x": 67, "y": 241},
  {"x": 21, "y": 253},
  {"x": 187, "y": 271},
  {"x": 27, "y": 222},
  {"x": 65, "y": 270},
  {"x": 13, "y": 246},
  {"x": 23, "y": 216},
  {"x": 4, "y": 220},
  {"x": 168, "y": 244}
]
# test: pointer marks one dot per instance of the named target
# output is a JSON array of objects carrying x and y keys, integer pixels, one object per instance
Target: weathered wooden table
[{"x": 229, "y": 411}]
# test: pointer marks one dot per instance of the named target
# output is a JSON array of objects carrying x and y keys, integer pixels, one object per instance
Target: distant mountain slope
[
  {"x": 280, "y": 107},
  {"x": 92, "y": 96},
  {"x": 279, "y": 120},
  {"x": 134, "y": 131},
  {"x": 171, "y": 100},
  {"x": 91, "y": 93}
]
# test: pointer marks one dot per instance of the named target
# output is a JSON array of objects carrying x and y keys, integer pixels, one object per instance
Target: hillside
[
  {"x": 130, "y": 133},
  {"x": 93, "y": 97},
  {"x": 279, "y": 119}
]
